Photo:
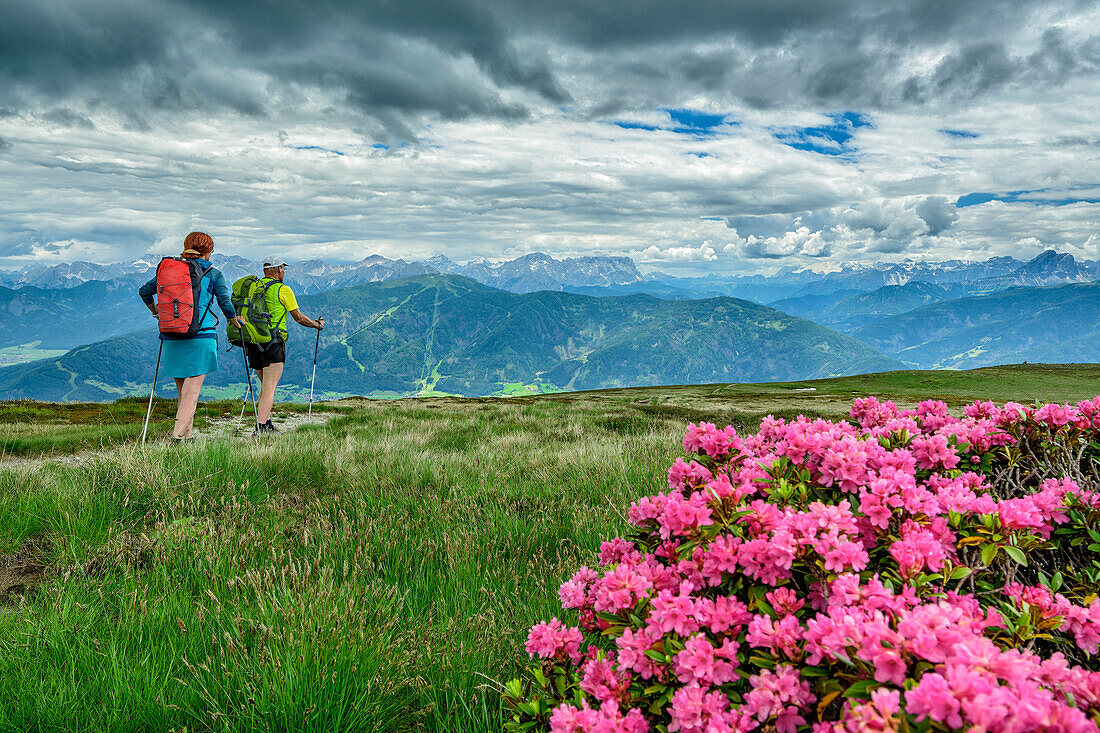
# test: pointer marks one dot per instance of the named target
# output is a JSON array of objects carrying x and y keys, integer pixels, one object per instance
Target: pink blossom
[
  {"x": 695, "y": 710},
  {"x": 684, "y": 476},
  {"x": 605, "y": 719},
  {"x": 633, "y": 646},
  {"x": 574, "y": 592},
  {"x": 553, "y": 641},
  {"x": 706, "y": 438},
  {"x": 780, "y": 695},
  {"x": 674, "y": 613},
  {"x": 701, "y": 662},
  {"x": 620, "y": 588},
  {"x": 601, "y": 679},
  {"x": 917, "y": 550},
  {"x": 680, "y": 516},
  {"x": 934, "y": 452},
  {"x": 785, "y": 601},
  {"x": 782, "y": 637},
  {"x": 618, "y": 550}
]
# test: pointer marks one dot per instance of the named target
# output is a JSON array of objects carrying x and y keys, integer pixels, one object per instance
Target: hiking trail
[{"x": 219, "y": 428}]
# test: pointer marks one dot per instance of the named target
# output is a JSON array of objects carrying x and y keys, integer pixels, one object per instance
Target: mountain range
[
  {"x": 1058, "y": 323},
  {"x": 525, "y": 274},
  {"x": 445, "y": 333},
  {"x": 609, "y": 275},
  {"x": 931, "y": 315}
]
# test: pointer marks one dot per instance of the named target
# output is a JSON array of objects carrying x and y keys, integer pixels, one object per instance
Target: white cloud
[
  {"x": 702, "y": 253},
  {"x": 246, "y": 142}
]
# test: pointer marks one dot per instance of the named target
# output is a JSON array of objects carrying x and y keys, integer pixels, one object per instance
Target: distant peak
[{"x": 1050, "y": 260}]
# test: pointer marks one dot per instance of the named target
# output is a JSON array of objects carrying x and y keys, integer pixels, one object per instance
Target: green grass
[
  {"x": 28, "y": 352},
  {"x": 377, "y": 573}
]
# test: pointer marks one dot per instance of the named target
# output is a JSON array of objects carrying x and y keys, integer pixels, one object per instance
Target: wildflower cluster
[{"x": 905, "y": 570}]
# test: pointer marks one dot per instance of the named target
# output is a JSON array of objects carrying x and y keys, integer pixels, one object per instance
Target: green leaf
[
  {"x": 861, "y": 689},
  {"x": 1016, "y": 554},
  {"x": 656, "y": 656},
  {"x": 989, "y": 554},
  {"x": 960, "y": 572},
  {"x": 814, "y": 672}
]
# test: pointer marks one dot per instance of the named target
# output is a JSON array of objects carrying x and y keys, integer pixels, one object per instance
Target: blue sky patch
[
  {"x": 1035, "y": 197},
  {"x": 317, "y": 147},
  {"x": 634, "y": 125},
  {"x": 834, "y": 138},
  {"x": 692, "y": 122},
  {"x": 962, "y": 134}
]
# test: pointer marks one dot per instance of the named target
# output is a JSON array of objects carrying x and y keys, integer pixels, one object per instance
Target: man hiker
[{"x": 268, "y": 359}]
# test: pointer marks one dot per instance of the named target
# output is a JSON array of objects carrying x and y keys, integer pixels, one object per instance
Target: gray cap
[{"x": 273, "y": 262}]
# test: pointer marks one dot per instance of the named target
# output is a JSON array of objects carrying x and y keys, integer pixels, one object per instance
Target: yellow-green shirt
[{"x": 280, "y": 301}]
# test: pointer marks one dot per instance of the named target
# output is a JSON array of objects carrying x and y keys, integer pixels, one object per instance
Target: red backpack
[{"x": 178, "y": 282}]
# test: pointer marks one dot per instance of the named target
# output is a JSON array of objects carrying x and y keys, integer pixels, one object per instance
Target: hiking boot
[
  {"x": 259, "y": 429},
  {"x": 270, "y": 427}
]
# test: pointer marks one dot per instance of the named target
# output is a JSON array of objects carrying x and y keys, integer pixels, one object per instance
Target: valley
[{"x": 402, "y": 328}]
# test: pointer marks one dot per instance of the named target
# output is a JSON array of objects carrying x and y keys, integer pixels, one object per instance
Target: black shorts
[{"x": 262, "y": 356}]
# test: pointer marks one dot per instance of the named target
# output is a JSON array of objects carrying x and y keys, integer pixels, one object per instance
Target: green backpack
[{"x": 250, "y": 299}]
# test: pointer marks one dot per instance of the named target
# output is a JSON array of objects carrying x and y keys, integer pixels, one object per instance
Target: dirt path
[
  {"x": 226, "y": 427},
  {"x": 222, "y": 428}
]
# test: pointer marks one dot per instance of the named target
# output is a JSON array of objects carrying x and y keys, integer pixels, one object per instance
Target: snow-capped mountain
[
  {"x": 540, "y": 271},
  {"x": 64, "y": 275},
  {"x": 996, "y": 273},
  {"x": 523, "y": 275}
]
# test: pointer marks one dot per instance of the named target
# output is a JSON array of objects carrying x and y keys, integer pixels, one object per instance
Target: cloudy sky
[{"x": 692, "y": 135}]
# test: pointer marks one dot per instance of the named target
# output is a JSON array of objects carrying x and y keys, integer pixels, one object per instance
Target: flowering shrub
[{"x": 907, "y": 570}]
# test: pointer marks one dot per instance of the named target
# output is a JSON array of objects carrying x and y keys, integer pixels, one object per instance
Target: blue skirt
[{"x": 189, "y": 357}]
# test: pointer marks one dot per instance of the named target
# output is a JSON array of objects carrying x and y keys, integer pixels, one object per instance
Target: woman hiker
[{"x": 190, "y": 360}]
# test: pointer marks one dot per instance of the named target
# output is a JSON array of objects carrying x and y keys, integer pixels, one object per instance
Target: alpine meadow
[{"x": 455, "y": 366}]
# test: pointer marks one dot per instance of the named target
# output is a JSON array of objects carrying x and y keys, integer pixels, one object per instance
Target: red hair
[{"x": 196, "y": 245}]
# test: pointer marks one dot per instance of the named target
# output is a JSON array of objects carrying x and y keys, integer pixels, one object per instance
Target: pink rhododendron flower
[
  {"x": 601, "y": 679},
  {"x": 701, "y": 662},
  {"x": 780, "y": 695},
  {"x": 706, "y": 438},
  {"x": 574, "y": 592},
  {"x": 827, "y": 531},
  {"x": 620, "y": 588},
  {"x": 554, "y": 640}
]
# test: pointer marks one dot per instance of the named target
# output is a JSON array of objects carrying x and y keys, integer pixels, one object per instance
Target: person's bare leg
[
  {"x": 256, "y": 394},
  {"x": 179, "y": 407},
  {"x": 189, "y": 390},
  {"x": 270, "y": 380}
]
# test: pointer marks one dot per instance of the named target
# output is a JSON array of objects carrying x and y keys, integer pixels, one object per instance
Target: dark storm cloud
[
  {"x": 397, "y": 62},
  {"x": 386, "y": 59}
]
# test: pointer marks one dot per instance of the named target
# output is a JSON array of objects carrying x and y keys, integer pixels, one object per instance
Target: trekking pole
[
  {"x": 314, "y": 377},
  {"x": 248, "y": 376},
  {"x": 149, "y": 410},
  {"x": 247, "y": 390}
]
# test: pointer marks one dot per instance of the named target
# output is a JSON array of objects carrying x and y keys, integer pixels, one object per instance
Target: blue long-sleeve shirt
[{"x": 213, "y": 287}]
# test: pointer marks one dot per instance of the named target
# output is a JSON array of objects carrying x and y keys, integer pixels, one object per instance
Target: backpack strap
[
  {"x": 217, "y": 321},
  {"x": 285, "y": 313}
]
